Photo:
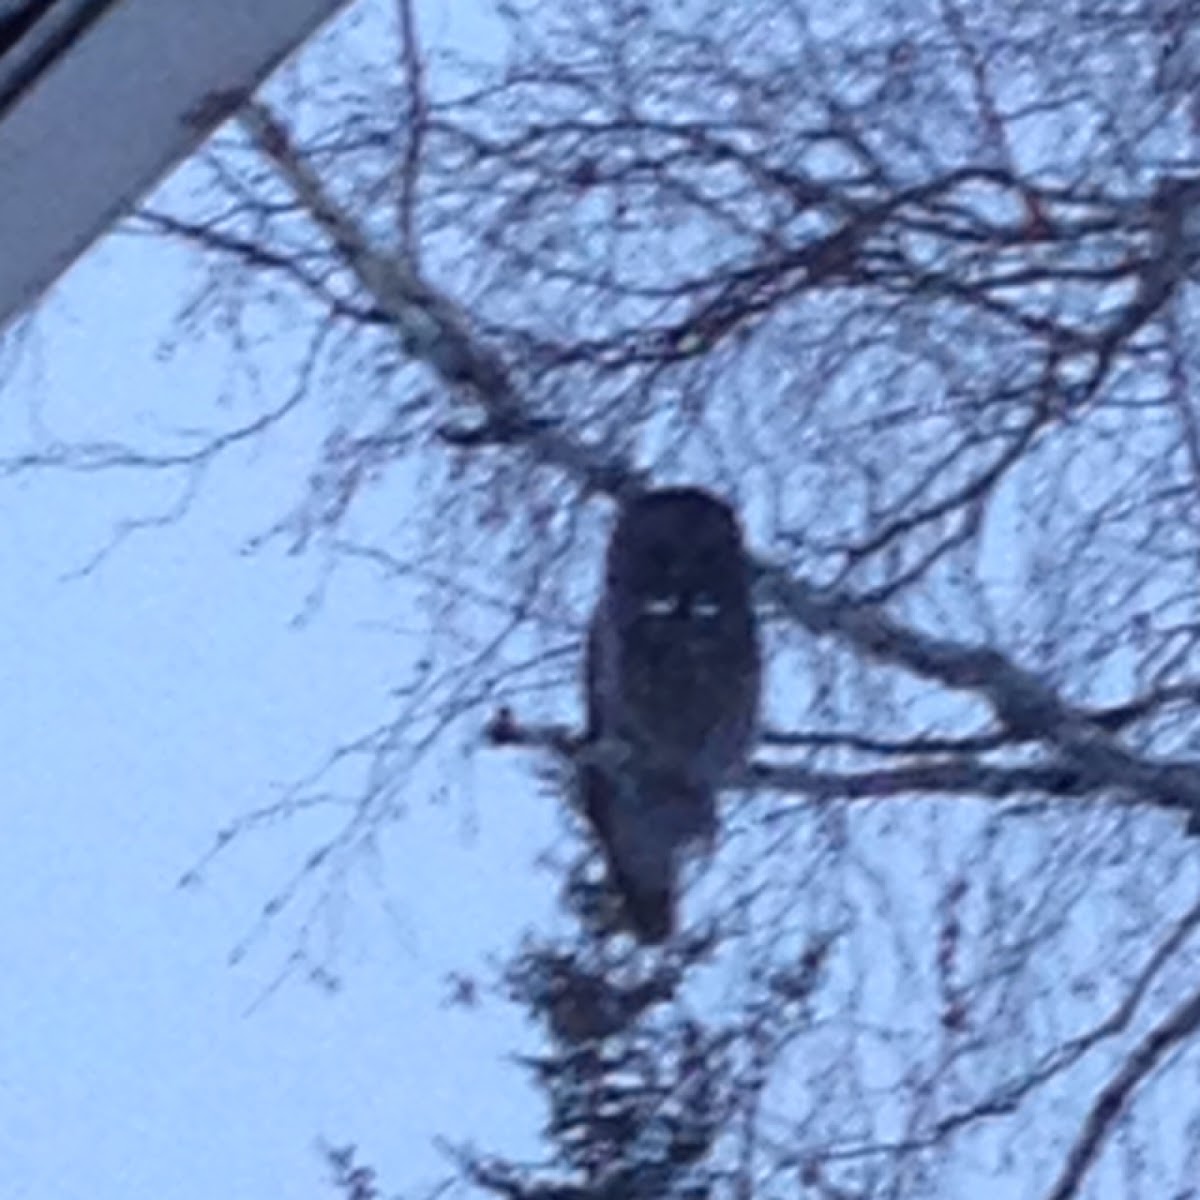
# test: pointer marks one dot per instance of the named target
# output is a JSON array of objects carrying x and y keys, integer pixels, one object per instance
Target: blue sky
[{"x": 142, "y": 707}]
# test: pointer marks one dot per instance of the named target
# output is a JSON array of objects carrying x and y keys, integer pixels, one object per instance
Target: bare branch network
[{"x": 436, "y": 332}]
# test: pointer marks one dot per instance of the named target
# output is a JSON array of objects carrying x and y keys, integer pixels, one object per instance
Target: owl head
[{"x": 676, "y": 557}]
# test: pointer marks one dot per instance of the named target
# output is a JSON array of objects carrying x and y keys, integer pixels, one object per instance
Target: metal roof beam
[{"x": 124, "y": 99}]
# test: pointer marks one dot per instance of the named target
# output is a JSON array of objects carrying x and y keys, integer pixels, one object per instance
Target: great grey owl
[{"x": 673, "y": 681}]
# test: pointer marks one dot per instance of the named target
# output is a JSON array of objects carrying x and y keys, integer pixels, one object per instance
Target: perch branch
[{"x": 1059, "y": 779}]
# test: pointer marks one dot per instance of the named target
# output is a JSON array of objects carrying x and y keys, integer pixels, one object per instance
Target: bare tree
[{"x": 912, "y": 284}]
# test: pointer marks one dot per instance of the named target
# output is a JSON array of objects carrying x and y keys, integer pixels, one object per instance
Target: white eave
[{"x": 100, "y": 98}]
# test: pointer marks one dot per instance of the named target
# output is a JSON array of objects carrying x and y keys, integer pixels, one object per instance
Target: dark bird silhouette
[{"x": 673, "y": 680}]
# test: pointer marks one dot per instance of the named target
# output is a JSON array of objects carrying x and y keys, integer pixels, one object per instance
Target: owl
[{"x": 673, "y": 677}]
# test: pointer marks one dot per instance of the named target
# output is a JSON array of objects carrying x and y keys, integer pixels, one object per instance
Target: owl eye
[
  {"x": 660, "y": 606},
  {"x": 706, "y": 607}
]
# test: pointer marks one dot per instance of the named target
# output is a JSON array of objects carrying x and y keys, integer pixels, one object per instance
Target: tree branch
[
  {"x": 1114, "y": 1097},
  {"x": 939, "y": 776},
  {"x": 1111, "y": 718}
]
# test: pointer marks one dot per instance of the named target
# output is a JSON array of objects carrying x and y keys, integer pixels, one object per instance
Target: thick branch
[
  {"x": 1112, "y": 718},
  {"x": 430, "y": 325},
  {"x": 1026, "y": 706}
]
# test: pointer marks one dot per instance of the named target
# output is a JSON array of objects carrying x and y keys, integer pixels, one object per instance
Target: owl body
[{"x": 673, "y": 676}]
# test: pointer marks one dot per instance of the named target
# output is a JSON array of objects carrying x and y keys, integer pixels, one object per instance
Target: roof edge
[
  {"x": 47, "y": 36},
  {"x": 132, "y": 96}
]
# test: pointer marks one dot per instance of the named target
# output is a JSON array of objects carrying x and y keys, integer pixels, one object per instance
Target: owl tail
[
  {"x": 639, "y": 852},
  {"x": 649, "y": 905},
  {"x": 643, "y": 830},
  {"x": 674, "y": 814},
  {"x": 641, "y": 871}
]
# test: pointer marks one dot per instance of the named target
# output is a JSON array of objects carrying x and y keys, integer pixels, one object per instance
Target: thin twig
[
  {"x": 416, "y": 120},
  {"x": 1114, "y": 1097}
]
